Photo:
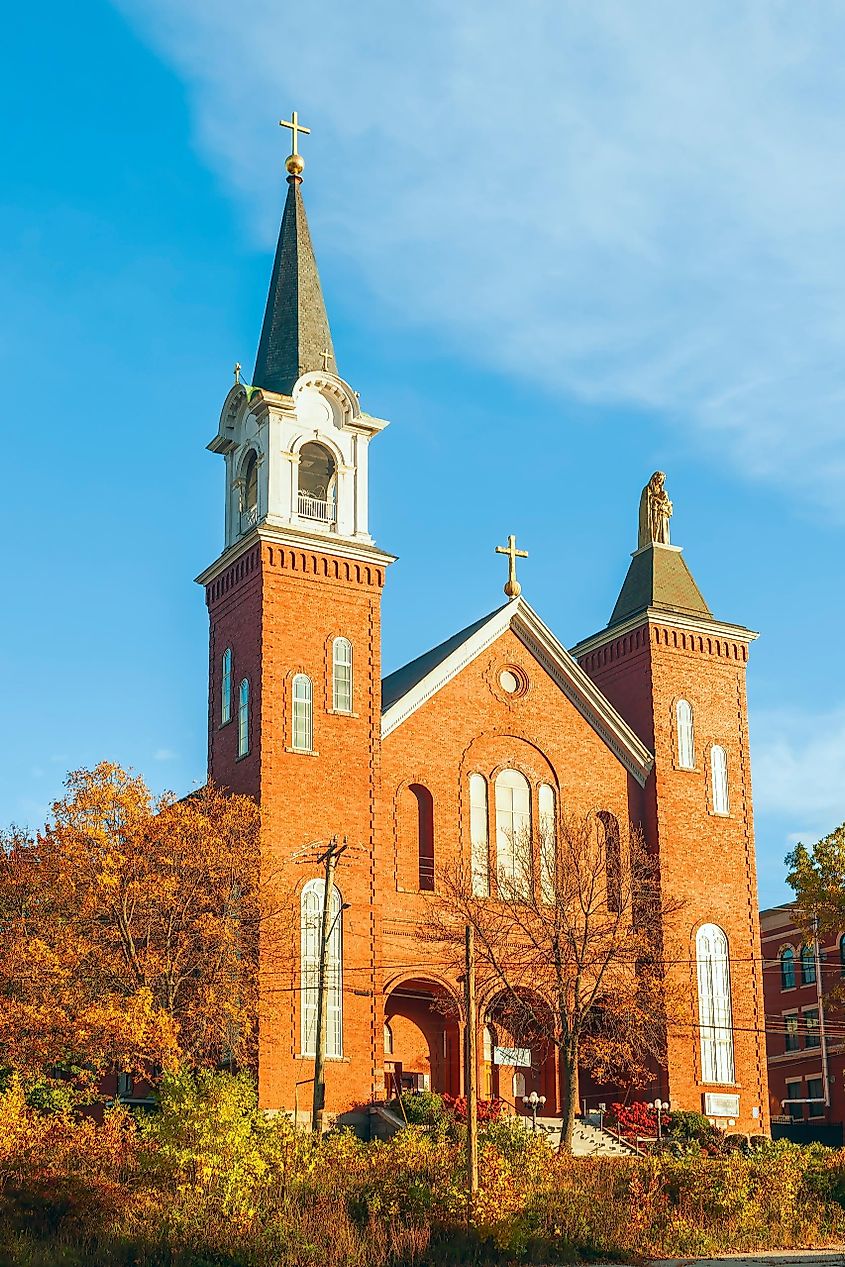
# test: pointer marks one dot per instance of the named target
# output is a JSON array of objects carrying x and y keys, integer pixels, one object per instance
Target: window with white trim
[
  {"x": 243, "y": 718},
  {"x": 715, "y": 1014},
  {"x": 513, "y": 831},
  {"x": 311, "y": 928},
  {"x": 548, "y": 841},
  {"x": 719, "y": 779},
  {"x": 479, "y": 832},
  {"x": 342, "y": 675},
  {"x": 686, "y": 736},
  {"x": 226, "y": 688},
  {"x": 302, "y": 731}
]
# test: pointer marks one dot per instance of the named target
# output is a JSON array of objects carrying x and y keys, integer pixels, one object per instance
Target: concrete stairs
[{"x": 588, "y": 1140}]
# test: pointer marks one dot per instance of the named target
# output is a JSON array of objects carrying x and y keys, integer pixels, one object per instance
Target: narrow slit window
[
  {"x": 303, "y": 714},
  {"x": 226, "y": 688},
  {"x": 425, "y": 835},
  {"x": 686, "y": 737},
  {"x": 342, "y": 675},
  {"x": 612, "y": 861},
  {"x": 243, "y": 718},
  {"x": 715, "y": 1012},
  {"x": 311, "y": 929},
  {"x": 479, "y": 831},
  {"x": 548, "y": 842},
  {"x": 719, "y": 779},
  {"x": 513, "y": 832}
]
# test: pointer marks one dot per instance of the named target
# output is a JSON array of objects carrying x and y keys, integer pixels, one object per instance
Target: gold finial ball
[
  {"x": 513, "y": 589},
  {"x": 295, "y": 163}
]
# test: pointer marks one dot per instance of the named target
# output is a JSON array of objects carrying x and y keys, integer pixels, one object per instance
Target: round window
[{"x": 509, "y": 681}]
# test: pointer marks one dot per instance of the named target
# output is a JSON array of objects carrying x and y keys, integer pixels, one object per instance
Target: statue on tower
[{"x": 655, "y": 512}]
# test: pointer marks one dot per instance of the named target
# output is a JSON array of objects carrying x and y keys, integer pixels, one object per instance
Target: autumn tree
[
  {"x": 817, "y": 876},
  {"x": 129, "y": 929},
  {"x": 571, "y": 935}
]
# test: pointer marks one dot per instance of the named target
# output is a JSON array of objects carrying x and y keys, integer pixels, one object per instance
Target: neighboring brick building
[
  {"x": 804, "y": 1040},
  {"x": 500, "y": 725}
]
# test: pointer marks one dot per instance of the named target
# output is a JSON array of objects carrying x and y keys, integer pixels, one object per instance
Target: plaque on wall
[{"x": 717, "y": 1104}]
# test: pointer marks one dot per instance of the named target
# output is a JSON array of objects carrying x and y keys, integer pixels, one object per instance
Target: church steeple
[{"x": 295, "y": 336}]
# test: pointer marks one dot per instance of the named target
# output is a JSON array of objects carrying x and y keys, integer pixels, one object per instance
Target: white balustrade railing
[
  {"x": 315, "y": 508},
  {"x": 249, "y": 518}
]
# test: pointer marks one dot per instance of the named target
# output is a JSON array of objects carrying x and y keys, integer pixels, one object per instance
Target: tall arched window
[
  {"x": 479, "y": 832},
  {"x": 388, "y": 1039},
  {"x": 612, "y": 860},
  {"x": 243, "y": 718},
  {"x": 226, "y": 688},
  {"x": 342, "y": 675},
  {"x": 425, "y": 835},
  {"x": 302, "y": 733},
  {"x": 249, "y": 492},
  {"x": 316, "y": 498},
  {"x": 548, "y": 841},
  {"x": 719, "y": 780},
  {"x": 715, "y": 1014},
  {"x": 311, "y": 928},
  {"x": 686, "y": 737},
  {"x": 487, "y": 1045},
  {"x": 513, "y": 831},
  {"x": 808, "y": 965},
  {"x": 787, "y": 968}
]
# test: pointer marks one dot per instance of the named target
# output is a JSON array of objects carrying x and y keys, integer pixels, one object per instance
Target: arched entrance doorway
[
  {"x": 517, "y": 1057},
  {"x": 422, "y": 1046}
]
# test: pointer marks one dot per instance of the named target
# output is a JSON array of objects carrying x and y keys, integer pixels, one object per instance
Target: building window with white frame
[
  {"x": 342, "y": 675},
  {"x": 243, "y": 718},
  {"x": 479, "y": 832},
  {"x": 513, "y": 831},
  {"x": 715, "y": 1013},
  {"x": 311, "y": 929},
  {"x": 719, "y": 779},
  {"x": 686, "y": 734},
  {"x": 548, "y": 841},
  {"x": 226, "y": 688},
  {"x": 302, "y": 730}
]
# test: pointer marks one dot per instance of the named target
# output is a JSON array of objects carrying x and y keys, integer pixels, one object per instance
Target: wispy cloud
[
  {"x": 637, "y": 203},
  {"x": 165, "y": 754},
  {"x": 799, "y": 770}
]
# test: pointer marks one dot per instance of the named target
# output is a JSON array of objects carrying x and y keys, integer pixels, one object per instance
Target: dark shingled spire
[
  {"x": 295, "y": 336},
  {"x": 659, "y": 578}
]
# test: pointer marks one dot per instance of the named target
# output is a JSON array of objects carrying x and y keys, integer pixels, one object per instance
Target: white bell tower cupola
[{"x": 295, "y": 440}]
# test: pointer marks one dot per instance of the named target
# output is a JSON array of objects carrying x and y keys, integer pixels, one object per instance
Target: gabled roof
[
  {"x": 406, "y": 690},
  {"x": 295, "y": 336}
]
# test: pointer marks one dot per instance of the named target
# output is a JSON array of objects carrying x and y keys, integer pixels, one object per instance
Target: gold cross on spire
[
  {"x": 295, "y": 161},
  {"x": 512, "y": 588}
]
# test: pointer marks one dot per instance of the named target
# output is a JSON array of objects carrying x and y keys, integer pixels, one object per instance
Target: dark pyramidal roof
[
  {"x": 658, "y": 577},
  {"x": 295, "y": 336}
]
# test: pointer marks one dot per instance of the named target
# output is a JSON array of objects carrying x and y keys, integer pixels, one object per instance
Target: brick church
[{"x": 644, "y": 720}]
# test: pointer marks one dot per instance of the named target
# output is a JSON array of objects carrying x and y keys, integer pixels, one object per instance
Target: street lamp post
[
  {"x": 660, "y": 1107},
  {"x": 534, "y": 1102}
]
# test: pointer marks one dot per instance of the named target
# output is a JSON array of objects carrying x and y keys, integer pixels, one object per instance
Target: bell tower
[{"x": 295, "y": 641}]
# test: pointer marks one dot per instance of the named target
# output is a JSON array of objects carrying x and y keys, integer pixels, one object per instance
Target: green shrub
[{"x": 422, "y": 1108}]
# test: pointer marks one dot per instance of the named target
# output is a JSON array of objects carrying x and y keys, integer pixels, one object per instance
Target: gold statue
[{"x": 655, "y": 512}]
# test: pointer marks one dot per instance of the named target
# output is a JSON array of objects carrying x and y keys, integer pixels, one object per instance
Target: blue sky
[{"x": 561, "y": 245}]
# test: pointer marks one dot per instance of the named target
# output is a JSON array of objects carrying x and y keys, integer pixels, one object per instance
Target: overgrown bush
[{"x": 210, "y": 1181}]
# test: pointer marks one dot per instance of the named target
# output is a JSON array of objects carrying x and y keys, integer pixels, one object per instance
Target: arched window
[
  {"x": 787, "y": 968},
  {"x": 719, "y": 780},
  {"x": 612, "y": 860},
  {"x": 548, "y": 841},
  {"x": 226, "y": 688},
  {"x": 513, "y": 831},
  {"x": 249, "y": 492},
  {"x": 302, "y": 734},
  {"x": 479, "y": 832},
  {"x": 316, "y": 498},
  {"x": 311, "y": 929},
  {"x": 686, "y": 737},
  {"x": 488, "y": 1042},
  {"x": 388, "y": 1039},
  {"x": 715, "y": 1014},
  {"x": 808, "y": 965},
  {"x": 425, "y": 835},
  {"x": 342, "y": 675},
  {"x": 243, "y": 718}
]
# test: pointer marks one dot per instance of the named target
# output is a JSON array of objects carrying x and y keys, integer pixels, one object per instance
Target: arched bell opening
[
  {"x": 421, "y": 1039},
  {"x": 248, "y": 492},
  {"x": 317, "y": 487}
]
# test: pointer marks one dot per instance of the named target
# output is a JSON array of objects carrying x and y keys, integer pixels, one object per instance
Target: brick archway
[{"x": 422, "y": 1030}]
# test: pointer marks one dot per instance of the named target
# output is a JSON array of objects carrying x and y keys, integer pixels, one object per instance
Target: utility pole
[
  {"x": 330, "y": 857},
  {"x": 470, "y": 1061}
]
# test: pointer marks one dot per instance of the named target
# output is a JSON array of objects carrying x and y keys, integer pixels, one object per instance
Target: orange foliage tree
[{"x": 129, "y": 930}]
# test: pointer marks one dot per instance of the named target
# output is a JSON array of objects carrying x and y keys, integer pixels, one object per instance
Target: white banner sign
[{"x": 516, "y": 1057}]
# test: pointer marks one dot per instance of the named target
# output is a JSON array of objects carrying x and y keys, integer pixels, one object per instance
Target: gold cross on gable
[
  {"x": 512, "y": 587},
  {"x": 295, "y": 127}
]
